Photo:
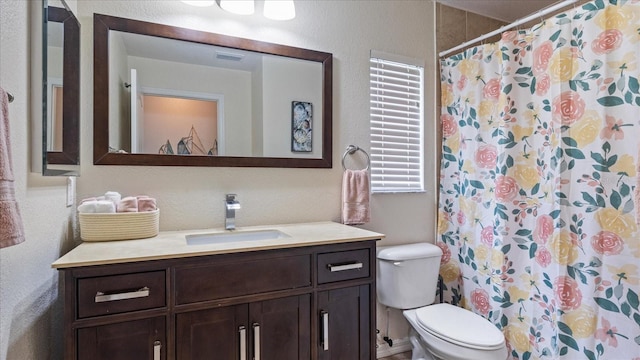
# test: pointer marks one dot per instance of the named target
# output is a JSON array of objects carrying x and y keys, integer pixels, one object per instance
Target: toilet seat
[{"x": 444, "y": 322}]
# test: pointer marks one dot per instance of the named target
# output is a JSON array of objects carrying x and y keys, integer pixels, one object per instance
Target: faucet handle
[{"x": 231, "y": 202}]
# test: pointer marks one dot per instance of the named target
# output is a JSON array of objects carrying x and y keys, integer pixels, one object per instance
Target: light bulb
[
  {"x": 240, "y": 7},
  {"x": 201, "y": 3},
  {"x": 279, "y": 9}
]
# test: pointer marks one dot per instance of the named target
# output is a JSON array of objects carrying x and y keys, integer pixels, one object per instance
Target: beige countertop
[{"x": 173, "y": 244}]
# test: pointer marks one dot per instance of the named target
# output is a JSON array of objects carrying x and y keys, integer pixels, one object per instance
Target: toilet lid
[{"x": 459, "y": 326}]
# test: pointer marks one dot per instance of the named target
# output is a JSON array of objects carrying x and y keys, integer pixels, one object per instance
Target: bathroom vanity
[{"x": 308, "y": 295}]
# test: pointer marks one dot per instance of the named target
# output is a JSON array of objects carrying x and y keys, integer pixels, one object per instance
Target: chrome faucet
[{"x": 231, "y": 205}]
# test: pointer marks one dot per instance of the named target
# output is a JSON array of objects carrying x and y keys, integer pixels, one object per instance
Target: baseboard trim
[{"x": 399, "y": 346}]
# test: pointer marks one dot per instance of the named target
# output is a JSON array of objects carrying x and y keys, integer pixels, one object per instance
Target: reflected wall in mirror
[
  {"x": 165, "y": 95},
  {"x": 61, "y": 90}
]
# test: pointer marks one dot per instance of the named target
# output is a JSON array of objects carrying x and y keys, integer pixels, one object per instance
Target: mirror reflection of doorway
[
  {"x": 176, "y": 121},
  {"x": 169, "y": 121},
  {"x": 54, "y": 123}
]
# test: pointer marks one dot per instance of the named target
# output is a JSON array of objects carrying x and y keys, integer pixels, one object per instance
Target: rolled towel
[
  {"x": 88, "y": 199},
  {"x": 105, "y": 207},
  {"x": 146, "y": 203},
  {"x": 128, "y": 204},
  {"x": 113, "y": 196},
  {"x": 88, "y": 206}
]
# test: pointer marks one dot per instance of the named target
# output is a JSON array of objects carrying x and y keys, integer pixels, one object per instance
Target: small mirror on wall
[{"x": 56, "y": 128}]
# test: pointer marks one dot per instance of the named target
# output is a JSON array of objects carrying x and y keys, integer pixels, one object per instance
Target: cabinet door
[
  {"x": 280, "y": 328},
  {"x": 344, "y": 323},
  {"x": 136, "y": 340},
  {"x": 220, "y": 333}
]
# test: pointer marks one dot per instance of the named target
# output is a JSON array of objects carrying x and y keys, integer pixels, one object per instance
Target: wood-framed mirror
[
  {"x": 271, "y": 104},
  {"x": 62, "y": 131}
]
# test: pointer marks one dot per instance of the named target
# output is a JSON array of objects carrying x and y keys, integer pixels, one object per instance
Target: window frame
[{"x": 377, "y": 123}]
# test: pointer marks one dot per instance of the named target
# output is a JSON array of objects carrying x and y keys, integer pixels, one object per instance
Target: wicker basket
[{"x": 119, "y": 226}]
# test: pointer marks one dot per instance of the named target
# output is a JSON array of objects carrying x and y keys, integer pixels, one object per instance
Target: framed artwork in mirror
[{"x": 301, "y": 126}]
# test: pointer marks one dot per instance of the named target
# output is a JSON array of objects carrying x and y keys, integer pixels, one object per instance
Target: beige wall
[
  {"x": 284, "y": 81},
  {"x": 455, "y": 26},
  {"x": 119, "y": 74},
  {"x": 192, "y": 197},
  {"x": 30, "y": 321},
  {"x": 30, "y": 308}
]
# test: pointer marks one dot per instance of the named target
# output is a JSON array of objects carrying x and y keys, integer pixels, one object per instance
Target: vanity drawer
[
  {"x": 242, "y": 277},
  {"x": 121, "y": 293},
  {"x": 343, "y": 265}
]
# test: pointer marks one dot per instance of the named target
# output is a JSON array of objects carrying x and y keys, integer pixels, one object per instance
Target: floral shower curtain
[{"x": 539, "y": 186}]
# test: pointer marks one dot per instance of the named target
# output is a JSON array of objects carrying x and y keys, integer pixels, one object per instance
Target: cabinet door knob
[
  {"x": 256, "y": 341},
  {"x": 157, "y": 345},
  {"x": 325, "y": 330},
  {"x": 243, "y": 342}
]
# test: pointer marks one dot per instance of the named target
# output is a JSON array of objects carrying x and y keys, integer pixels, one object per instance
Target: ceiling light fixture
[
  {"x": 240, "y": 7},
  {"x": 273, "y": 9},
  {"x": 279, "y": 9},
  {"x": 200, "y": 3}
]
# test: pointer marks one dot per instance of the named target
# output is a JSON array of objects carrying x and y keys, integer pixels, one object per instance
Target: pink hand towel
[
  {"x": 128, "y": 204},
  {"x": 11, "y": 228},
  {"x": 355, "y": 197},
  {"x": 146, "y": 203}
]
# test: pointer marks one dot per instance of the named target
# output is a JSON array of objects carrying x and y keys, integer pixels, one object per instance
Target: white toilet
[{"x": 407, "y": 279}]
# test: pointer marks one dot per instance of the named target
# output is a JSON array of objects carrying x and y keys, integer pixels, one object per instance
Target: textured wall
[
  {"x": 30, "y": 309},
  {"x": 190, "y": 198}
]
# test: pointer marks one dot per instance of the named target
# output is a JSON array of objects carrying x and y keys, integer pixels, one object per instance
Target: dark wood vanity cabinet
[
  {"x": 315, "y": 302},
  {"x": 344, "y": 313},
  {"x": 269, "y": 329},
  {"x": 136, "y": 339}
]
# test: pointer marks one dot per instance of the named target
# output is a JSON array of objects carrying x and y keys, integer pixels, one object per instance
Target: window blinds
[{"x": 396, "y": 110}]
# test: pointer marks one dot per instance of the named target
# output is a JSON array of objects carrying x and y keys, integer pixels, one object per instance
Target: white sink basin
[{"x": 233, "y": 236}]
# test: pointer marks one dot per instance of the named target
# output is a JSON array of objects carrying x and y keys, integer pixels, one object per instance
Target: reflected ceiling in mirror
[{"x": 174, "y": 96}]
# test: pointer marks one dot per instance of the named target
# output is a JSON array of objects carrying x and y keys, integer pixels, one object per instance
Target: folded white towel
[
  {"x": 105, "y": 207},
  {"x": 113, "y": 196},
  {"x": 97, "y": 207},
  {"x": 88, "y": 206}
]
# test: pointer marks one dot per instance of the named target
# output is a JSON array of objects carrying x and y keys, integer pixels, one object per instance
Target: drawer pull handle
[
  {"x": 243, "y": 342},
  {"x": 256, "y": 341},
  {"x": 343, "y": 267},
  {"x": 157, "y": 345},
  {"x": 102, "y": 297},
  {"x": 325, "y": 330}
]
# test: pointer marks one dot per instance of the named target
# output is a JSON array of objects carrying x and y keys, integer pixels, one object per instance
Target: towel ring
[{"x": 351, "y": 149}]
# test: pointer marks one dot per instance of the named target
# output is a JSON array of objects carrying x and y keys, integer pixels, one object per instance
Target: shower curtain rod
[{"x": 520, "y": 21}]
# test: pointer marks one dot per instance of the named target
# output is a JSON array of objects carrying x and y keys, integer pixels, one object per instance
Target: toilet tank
[{"x": 407, "y": 275}]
